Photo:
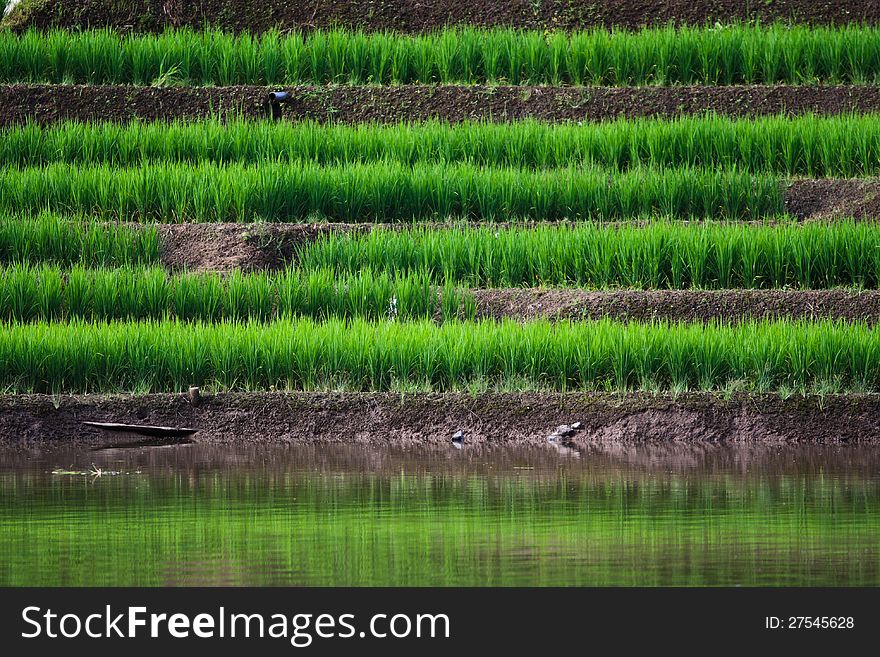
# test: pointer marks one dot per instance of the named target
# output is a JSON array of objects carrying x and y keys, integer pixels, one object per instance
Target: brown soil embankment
[
  {"x": 730, "y": 306},
  {"x": 47, "y": 103},
  {"x": 515, "y": 419},
  {"x": 419, "y": 16}
]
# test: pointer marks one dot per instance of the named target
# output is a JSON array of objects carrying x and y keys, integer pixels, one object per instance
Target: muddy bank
[
  {"x": 730, "y": 306},
  {"x": 417, "y": 15},
  {"x": 515, "y": 419},
  {"x": 48, "y": 104}
]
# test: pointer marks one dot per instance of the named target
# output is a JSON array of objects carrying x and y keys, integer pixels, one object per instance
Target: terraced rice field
[
  {"x": 533, "y": 292},
  {"x": 427, "y": 212}
]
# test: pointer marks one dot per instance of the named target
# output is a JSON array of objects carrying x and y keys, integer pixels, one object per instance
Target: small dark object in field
[
  {"x": 276, "y": 100},
  {"x": 144, "y": 430},
  {"x": 194, "y": 395}
]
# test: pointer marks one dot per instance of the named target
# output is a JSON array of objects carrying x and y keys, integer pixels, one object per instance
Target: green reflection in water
[{"x": 309, "y": 525}]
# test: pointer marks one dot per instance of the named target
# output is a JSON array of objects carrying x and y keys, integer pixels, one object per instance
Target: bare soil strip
[
  {"x": 47, "y": 104},
  {"x": 491, "y": 419},
  {"x": 417, "y": 16},
  {"x": 730, "y": 306},
  {"x": 833, "y": 199}
]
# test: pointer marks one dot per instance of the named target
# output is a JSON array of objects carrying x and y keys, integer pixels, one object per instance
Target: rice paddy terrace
[{"x": 458, "y": 219}]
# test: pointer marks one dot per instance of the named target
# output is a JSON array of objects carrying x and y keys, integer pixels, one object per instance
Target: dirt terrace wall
[
  {"x": 729, "y": 306},
  {"x": 46, "y": 104},
  {"x": 424, "y": 15},
  {"x": 521, "y": 419}
]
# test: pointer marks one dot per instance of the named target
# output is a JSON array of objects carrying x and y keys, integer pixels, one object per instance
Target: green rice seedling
[
  {"x": 198, "y": 297},
  {"x": 736, "y": 54},
  {"x": 78, "y": 294},
  {"x": 49, "y": 294},
  {"x": 19, "y": 294},
  {"x": 661, "y": 254},
  {"x": 154, "y": 295},
  {"x": 111, "y": 293},
  {"x": 838, "y": 146},
  {"x": 369, "y": 355},
  {"x": 46, "y": 292},
  {"x": 382, "y": 191},
  {"x": 236, "y": 302},
  {"x": 51, "y": 238}
]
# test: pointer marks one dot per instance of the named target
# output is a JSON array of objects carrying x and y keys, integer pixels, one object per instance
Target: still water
[{"x": 647, "y": 516}]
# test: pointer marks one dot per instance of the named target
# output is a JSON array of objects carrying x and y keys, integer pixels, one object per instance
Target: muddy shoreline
[
  {"x": 418, "y": 16},
  {"x": 393, "y": 419},
  {"x": 47, "y": 104}
]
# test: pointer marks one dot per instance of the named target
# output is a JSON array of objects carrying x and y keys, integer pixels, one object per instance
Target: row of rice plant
[
  {"x": 49, "y": 293},
  {"x": 659, "y": 255},
  {"x": 809, "y": 145},
  {"x": 748, "y": 54},
  {"x": 48, "y": 237},
  {"x": 382, "y": 191},
  {"x": 357, "y": 354}
]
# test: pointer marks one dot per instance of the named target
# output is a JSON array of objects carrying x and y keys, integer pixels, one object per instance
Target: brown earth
[
  {"x": 393, "y": 419},
  {"x": 833, "y": 199},
  {"x": 679, "y": 305},
  {"x": 225, "y": 247},
  {"x": 51, "y": 103},
  {"x": 48, "y": 104},
  {"x": 421, "y": 15}
]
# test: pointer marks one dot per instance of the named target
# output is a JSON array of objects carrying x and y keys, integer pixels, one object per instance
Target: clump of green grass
[
  {"x": 847, "y": 145},
  {"x": 363, "y": 355},
  {"x": 49, "y": 293},
  {"x": 738, "y": 54},
  {"x": 659, "y": 255},
  {"x": 50, "y": 238},
  {"x": 382, "y": 191}
]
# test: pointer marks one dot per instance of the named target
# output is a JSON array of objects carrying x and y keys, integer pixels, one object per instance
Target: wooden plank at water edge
[{"x": 144, "y": 430}]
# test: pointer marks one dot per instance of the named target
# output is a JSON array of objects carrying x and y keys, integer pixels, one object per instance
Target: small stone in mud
[
  {"x": 194, "y": 395},
  {"x": 564, "y": 431}
]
